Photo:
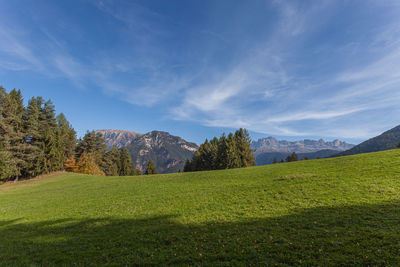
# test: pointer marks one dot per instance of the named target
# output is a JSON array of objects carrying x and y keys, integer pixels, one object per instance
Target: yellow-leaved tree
[{"x": 87, "y": 165}]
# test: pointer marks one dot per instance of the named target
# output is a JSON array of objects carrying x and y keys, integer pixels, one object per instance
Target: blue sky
[{"x": 290, "y": 69}]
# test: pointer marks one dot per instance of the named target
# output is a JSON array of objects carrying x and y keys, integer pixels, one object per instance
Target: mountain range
[
  {"x": 118, "y": 138},
  {"x": 268, "y": 157},
  {"x": 387, "y": 140},
  {"x": 168, "y": 152},
  {"x": 271, "y": 144}
]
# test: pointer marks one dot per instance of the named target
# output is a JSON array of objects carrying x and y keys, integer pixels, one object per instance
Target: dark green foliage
[
  {"x": 95, "y": 144},
  {"x": 151, "y": 169},
  {"x": 31, "y": 140},
  {"x": 292, "y": 157},
  {"x": 229, "y": 152},
  {"x": 187, "y": 167},
  {"x": 127, "y": 168},
  {"x": 112, "y": 162}
]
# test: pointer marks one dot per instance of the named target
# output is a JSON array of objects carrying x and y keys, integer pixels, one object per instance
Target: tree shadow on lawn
[{"x": 350, "y": 235}]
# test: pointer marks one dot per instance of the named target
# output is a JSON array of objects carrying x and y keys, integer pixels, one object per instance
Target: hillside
[
  {"x": 168, "y": 152},
  {"x": 268, "y": 157},
  {"x": 388, "y": 140},
  {"x": 271, "y": 144},
  {"x": 329, "y": 212},
  {"x": 118, "y": 138}
]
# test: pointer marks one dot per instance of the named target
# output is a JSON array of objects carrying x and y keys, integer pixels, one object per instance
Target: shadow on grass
[{"x": 353, "y": 235}]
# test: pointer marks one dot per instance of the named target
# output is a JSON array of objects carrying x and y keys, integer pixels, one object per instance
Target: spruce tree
[
  {"x": 34, "y": 138},
  {"x": 127, "y": 168},
  {"x": 294, "y": 157},
  {"x": 233, "y": 153},
  {"x": 187, "y": 167},
  {"x": 151, "y": 169},
  {"x": 243, "y": 142},
  {"x": 13, "y": 134},
  {"x": 93, "y": 143},
  {"x": 112, "y": 162}
]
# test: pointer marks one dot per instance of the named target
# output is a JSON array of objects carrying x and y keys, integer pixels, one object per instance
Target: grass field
[{"x": 321, "y": 212}]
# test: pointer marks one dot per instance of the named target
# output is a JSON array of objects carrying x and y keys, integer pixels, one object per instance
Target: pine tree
[
  {"x": 12, "y": 133},
  {"x": 93, "y": 143},
  {"x": 127, "y": 168},
  {"x": 68, "y": 136},
  {"x": 112, "y": 162},
  {"x": 233, "y": 153},
  {"x": 151, "y": 169},
  {"x": 243, "y": 141},
  {"x": 294, "y": 157},
  {"x": 33, "y": 152},
  {"x": 187, "y": 167}
]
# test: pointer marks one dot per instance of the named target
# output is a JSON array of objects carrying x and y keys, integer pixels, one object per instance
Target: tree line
[
  {"x": 232, "y": 151},
  {"x": 34, "y": 141}
]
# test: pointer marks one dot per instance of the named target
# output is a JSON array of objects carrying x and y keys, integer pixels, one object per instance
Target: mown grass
[{"x": 340, "y": 211}]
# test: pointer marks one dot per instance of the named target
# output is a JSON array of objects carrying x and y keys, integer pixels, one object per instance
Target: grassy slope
[{"x": 321, "y": 212}]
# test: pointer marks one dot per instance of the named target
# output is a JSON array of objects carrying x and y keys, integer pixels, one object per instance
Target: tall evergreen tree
[
  {"x": 31, "y": 141},
  {"x": 13, "y": 133},
  {"x": 243, "y": 142},
  {"x": 112, "y": 162},
  {"x": 233, "y": 153},
  {"x": 151, "y": 169},
  {"x": 127, "y": 168},
  {"x": 93, "y": 143},
  {"x": 68, "y": 136},
  {"x": 187, "y": 167},
  {"x": 34, "y": 153}
]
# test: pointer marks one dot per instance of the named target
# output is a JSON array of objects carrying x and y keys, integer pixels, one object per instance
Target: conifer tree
[
  {"x": 93, "y": 143},
  {"x": 68, "y": 136},
  {"x": 112, "y": 162},
  {"x": 187, "y": 167},
  {"x": 127, "y": 168},
  {"x": 33, "y": 138},
  {"x": 233, "y": 153},
  {"x": 151, "y": 169},
  {"x": 243, "y": 141},
  {"x": 31, "y": 142},
  {"x": 13, "y": 133},
  {"x": 294, "y": 157}
]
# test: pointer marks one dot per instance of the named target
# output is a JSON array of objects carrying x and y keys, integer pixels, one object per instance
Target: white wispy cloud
[{"x": 274, "y": 84}]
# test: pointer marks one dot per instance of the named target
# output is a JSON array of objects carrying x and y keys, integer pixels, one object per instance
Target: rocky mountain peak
[
  {"x": 271, "y": 144},
  {"x": 118, "y": 138}
]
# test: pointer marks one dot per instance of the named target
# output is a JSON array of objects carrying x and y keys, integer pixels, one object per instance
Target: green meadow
[{"x": 339, "y": 211}]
